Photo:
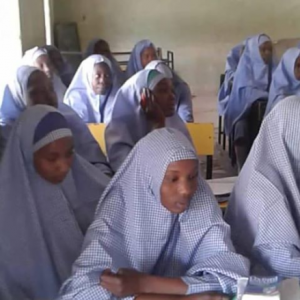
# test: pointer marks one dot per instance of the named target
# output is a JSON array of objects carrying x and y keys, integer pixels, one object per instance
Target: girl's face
[
  {"x": 40, "y": 90},
  {"x": 297, "y": 68},
  {"x": 102, "y": 79},
  {"x": 266, "y": 52},
  {"x": 44, "y": 64},
  {"x": 179, "y": 185},
  {"x": 148, "y": 55},
  {"x": 53, "y": 161},
  {"x": 164, "y": 97}
]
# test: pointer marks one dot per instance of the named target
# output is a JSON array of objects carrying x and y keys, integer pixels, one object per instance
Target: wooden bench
[{"x": 202, "y": 135}]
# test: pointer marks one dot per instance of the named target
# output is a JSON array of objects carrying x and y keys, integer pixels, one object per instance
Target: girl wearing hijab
[
  {"x": 266, "y": 200},
  {"x": 38, "y": 57},
  {"x": 286, "y": 78},
  {"x": 30, "y": 87},
  {"x": 252, "y": 82},
  {"x": 101, "y": 47},
  {"x": 62, "y": 67},
  {"x": 131, "y": 121},
  {"x": 184, "y": 250},
  {"x": 142, "y": 54},
  {"x": 232, "y": 62},
  {"x": 183, "y": 96},
  {"x": 92, "y": 91},
  {"x": 45, "y": 214}
]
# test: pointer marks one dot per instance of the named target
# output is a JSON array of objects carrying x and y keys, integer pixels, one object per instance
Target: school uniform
[
  {"x": 29, "y": 59},
  {"x": 183, "y": 96},
  {"x": 14, "y": 101},
  {"x": 264, "y": 208},
  {"x": 284, "y": 82},
  {"x": 251, "y": 82},
  {"x": 42, "y": 224},
  {"x": 120, "y": 76},
  {"x": 135, "y": 61},
  {"x": 80, "y": 96},
  {"x": 66, "y": 72},
  {"x": 133, "y": 230},
  {"x": 129, "y": 122},
  {"x": 232, "y": 62}
]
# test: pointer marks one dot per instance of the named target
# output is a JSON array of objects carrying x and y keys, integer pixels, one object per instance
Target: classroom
[{"x": 149, "y": 149}]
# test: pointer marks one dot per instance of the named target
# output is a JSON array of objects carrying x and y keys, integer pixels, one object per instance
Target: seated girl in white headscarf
[
  {"x": 131, "y": 121},
  {"x": 38, "y": 57},
  {"x": 158, "y": 231},
  {"x": 183, "y": 96},
  {"x": 264, "y": 208},
  {"x": 92, "y": 91},
  {"x": 142, "y": 54},
  {"x": 48, "y": 197},
  {"x": 30, "y": 86},
  {"x": 101, "y": 47}
]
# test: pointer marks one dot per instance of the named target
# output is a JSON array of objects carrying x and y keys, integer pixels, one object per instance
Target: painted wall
[
  {"x": 200, "y": 32},
  {"x": 32, "y": 23},
  {"x": 10, "y": 33}
]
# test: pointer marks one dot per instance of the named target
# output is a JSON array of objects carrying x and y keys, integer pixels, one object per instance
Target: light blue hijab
[
  {"x": 194, "y": 245},
  {"x": 284, "y": 82},
  {"x": 66, "y": 72},
  {"x": 42, "y": 225},
  {"x": 129, "y": 123},
  {"x": 80, "y": 96},
  {"x": 184, "y": 104},
  {"x": 135, "y": 63},
  {"x": 119, "y": 74},
  {"x": 264, "y": 207},
  {"x": 252, "y": 80},
  {"x": 14, "y": 101},
  {"x": 232, "y": 62}
]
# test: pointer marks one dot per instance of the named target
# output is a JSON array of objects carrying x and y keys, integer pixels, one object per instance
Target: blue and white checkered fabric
[
  {"x": 133, "y": 230},
  {"x": 41, "y": 225},
  {"x": 264, "y": 209},
  {"x": 129, "y": 123}
]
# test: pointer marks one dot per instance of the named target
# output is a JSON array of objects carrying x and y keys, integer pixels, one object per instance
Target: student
[
  {"x": 62, "y": 67},
  {"x": 30, "y": 87},
  {"x": 101, "y": 47},
  {"x": 131, "y": 120},
  {"x": 92, "y": 91},
  {"x": 38, "y": 57},
  {"x": 158, "y": 230},
  {"x": 251, "y": 83},
  {"x": 142, "y": 54},
  {"x": 286, "y": 78},
  {"x": 232, "y": 62},
  {"x": 48, "y": 197},
  {"x": 264, "y": 209},
  {"x": 183, "y": 96}
]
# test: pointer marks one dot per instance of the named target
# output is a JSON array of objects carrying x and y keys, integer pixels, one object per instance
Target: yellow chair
[
  {"x": 98, "y": 131},
  {"x": 202, "y": 135}
]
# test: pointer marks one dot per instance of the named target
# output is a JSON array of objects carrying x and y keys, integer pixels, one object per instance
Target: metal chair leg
[
  {"x": 209, "y": 166},
  {"x": 220, "y": 130}
]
